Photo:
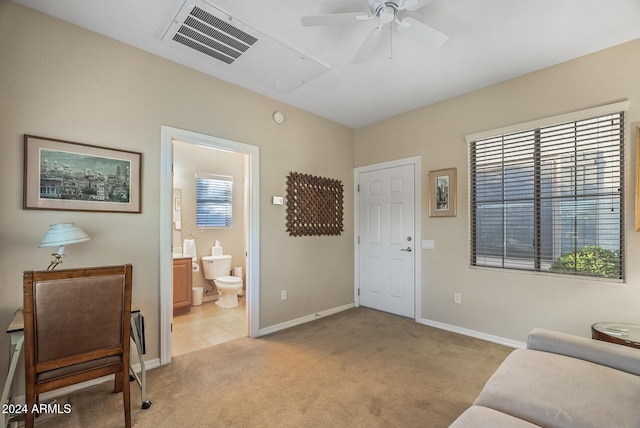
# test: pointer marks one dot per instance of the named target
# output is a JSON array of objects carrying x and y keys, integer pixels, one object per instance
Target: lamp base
[{"x": 56, "y": 261}]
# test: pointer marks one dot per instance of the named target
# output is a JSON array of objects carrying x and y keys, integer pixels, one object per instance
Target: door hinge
[
  {"x": 358, "y": 291},
  {"x": 172, "y": 326},
  {"x": 358, "y": 240},
  {"x": 358, "y": 188}
]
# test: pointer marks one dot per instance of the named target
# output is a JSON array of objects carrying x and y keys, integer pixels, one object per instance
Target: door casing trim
[{"x": 168, "y": 134}]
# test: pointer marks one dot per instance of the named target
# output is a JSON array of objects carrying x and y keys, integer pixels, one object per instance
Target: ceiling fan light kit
[{"x": 387, "y": 13}]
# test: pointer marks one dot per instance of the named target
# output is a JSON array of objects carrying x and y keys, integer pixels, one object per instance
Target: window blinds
[
  {"x": 550, "y": 198},
  {"x": 213, "y": 202}
]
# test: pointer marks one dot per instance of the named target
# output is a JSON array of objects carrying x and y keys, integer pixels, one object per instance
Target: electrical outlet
[
  {"x": 457, "y": 298},
  {"x": 283, "y": 294}
]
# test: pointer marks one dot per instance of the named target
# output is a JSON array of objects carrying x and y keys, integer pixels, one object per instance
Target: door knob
[{"x": 406, "y": 249}]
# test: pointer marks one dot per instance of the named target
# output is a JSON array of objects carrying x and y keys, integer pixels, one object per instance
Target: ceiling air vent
[
  {"x": 212, "y": 36},
  {"x": 204, "y": 30}
]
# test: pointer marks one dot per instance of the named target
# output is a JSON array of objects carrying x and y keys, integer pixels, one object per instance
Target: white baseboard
[
  {"x": 149, "y": 365},
  {"x": 472, "y": 333},
  {"x": 303, "y": 320}
]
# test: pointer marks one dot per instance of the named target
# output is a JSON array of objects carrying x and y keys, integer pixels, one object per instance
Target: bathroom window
[{"x": 213, "y": 201}]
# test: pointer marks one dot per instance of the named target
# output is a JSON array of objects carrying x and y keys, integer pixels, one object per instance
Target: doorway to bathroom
[
  {"x": 208, "y": 221},
  {"x": 185, "y": 157}
]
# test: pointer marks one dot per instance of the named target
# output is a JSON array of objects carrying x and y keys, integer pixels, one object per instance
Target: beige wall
[
  {"x": 60, "y": 81},
  {"x": 509, "y": 304}
]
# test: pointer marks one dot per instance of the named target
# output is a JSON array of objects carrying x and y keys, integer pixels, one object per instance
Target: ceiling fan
[{"x": 386, "y": 12}]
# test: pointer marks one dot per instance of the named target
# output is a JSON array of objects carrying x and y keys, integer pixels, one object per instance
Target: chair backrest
[{"x": 76, "y": 315}]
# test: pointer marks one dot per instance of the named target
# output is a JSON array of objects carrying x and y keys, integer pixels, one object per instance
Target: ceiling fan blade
[
  {"x": 414, "y": 4},
  {"x": 422, "y": 32},
  {"x": 368, "y": 45},
  {"x": 336, "y": 18}
]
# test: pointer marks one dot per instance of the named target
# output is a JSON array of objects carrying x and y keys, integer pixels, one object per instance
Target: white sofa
[{"x": 560, "y": 381}]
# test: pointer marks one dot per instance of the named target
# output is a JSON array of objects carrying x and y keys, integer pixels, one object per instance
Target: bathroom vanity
[{"x": 182, "y": 284}]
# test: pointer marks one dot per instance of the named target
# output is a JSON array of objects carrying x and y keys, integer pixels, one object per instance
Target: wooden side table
[{"x": 617, "y": 332}]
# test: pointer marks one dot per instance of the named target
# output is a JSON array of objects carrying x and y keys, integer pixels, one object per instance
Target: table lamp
[{"x": 60, "y": 235}]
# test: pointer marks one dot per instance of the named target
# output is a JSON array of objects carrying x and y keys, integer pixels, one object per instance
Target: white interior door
[{"x": 387, "y": 240}]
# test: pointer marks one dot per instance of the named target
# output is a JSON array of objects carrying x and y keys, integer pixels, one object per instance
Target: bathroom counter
[{"x": 179, "y": 256}]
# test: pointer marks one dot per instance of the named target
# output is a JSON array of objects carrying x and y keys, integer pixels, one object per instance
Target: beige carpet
[{"x": 358, "y": 368}]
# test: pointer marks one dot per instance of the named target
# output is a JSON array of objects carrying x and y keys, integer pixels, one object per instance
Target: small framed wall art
[
  {"x": 61, "y": 175},
  {"x": 638, "y": 179},
  {"x": 442, "y": 193}
]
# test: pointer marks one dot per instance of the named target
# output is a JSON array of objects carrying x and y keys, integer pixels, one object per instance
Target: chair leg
[
  {"x": 118, "y": 382},
  {"x": 126, "y": 397},
  {"x": 30, "y": 400}
]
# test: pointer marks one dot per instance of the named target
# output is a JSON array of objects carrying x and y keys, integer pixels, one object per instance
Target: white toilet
[{"x": 217, "y": 269}]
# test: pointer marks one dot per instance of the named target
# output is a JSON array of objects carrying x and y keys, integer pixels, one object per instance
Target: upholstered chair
[{"x": 77, "y": 328}]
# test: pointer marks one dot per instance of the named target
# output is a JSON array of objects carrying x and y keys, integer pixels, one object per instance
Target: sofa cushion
[
  {"x": 483, "y": 417},
  {"x": 553, "y": 390}
]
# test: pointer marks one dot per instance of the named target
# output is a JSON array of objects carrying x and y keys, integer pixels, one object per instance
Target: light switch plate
[
  {"x": 428, "y": 244},
  {"x": 277, "y": 200}
]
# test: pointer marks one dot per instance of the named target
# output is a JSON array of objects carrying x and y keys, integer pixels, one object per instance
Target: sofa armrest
[{"x": 607, "y": 354}]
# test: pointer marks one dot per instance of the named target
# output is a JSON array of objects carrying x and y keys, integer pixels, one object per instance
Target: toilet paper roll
[{"x": 195, "y": 267}]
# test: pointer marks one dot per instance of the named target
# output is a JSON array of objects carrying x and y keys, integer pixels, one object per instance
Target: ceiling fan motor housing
[{"x": 385, "y": 10}]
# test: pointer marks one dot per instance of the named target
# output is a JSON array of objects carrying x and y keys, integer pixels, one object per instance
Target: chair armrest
[{"x": 606, "y": 354}]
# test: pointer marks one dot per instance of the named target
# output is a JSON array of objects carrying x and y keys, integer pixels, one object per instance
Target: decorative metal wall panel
[{"x": 314, "y": 205}]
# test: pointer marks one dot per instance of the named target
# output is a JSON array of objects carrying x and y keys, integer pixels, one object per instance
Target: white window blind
[
  {"x": 213, "y": 202},
  {"x": 550, "y": 198}
]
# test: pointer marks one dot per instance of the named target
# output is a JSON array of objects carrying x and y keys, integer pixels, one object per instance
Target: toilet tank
[{"x": 216, "y": 266}]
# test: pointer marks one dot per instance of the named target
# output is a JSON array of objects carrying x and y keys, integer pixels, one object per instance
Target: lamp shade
[{"x": 63, "y": 234}]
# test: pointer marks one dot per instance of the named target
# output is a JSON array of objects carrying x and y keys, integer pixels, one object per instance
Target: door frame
[
  {"x": 415, "y": 161},
  {"x": 168, "y": 135}
]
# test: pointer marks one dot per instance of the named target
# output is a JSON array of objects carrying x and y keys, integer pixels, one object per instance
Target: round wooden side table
[{"x": 617, "y": 332}]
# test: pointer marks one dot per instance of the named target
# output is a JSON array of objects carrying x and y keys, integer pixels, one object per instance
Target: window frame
[
  {"x": 535, "y": 126},
  {"x": 223, "y": 202}
]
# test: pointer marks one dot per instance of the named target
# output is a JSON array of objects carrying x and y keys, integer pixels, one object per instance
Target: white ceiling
[{"x": 490, "y": 41}]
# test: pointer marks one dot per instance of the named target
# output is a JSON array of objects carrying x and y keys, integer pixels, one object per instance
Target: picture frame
[
  {"x": 442, "y": 193},
  {"x": 637, "y": 179},
  {"x": 64, "y": 175}
]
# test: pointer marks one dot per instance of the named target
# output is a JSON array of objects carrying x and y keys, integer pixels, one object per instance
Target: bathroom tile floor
[{"x": 207, "y": 325}]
